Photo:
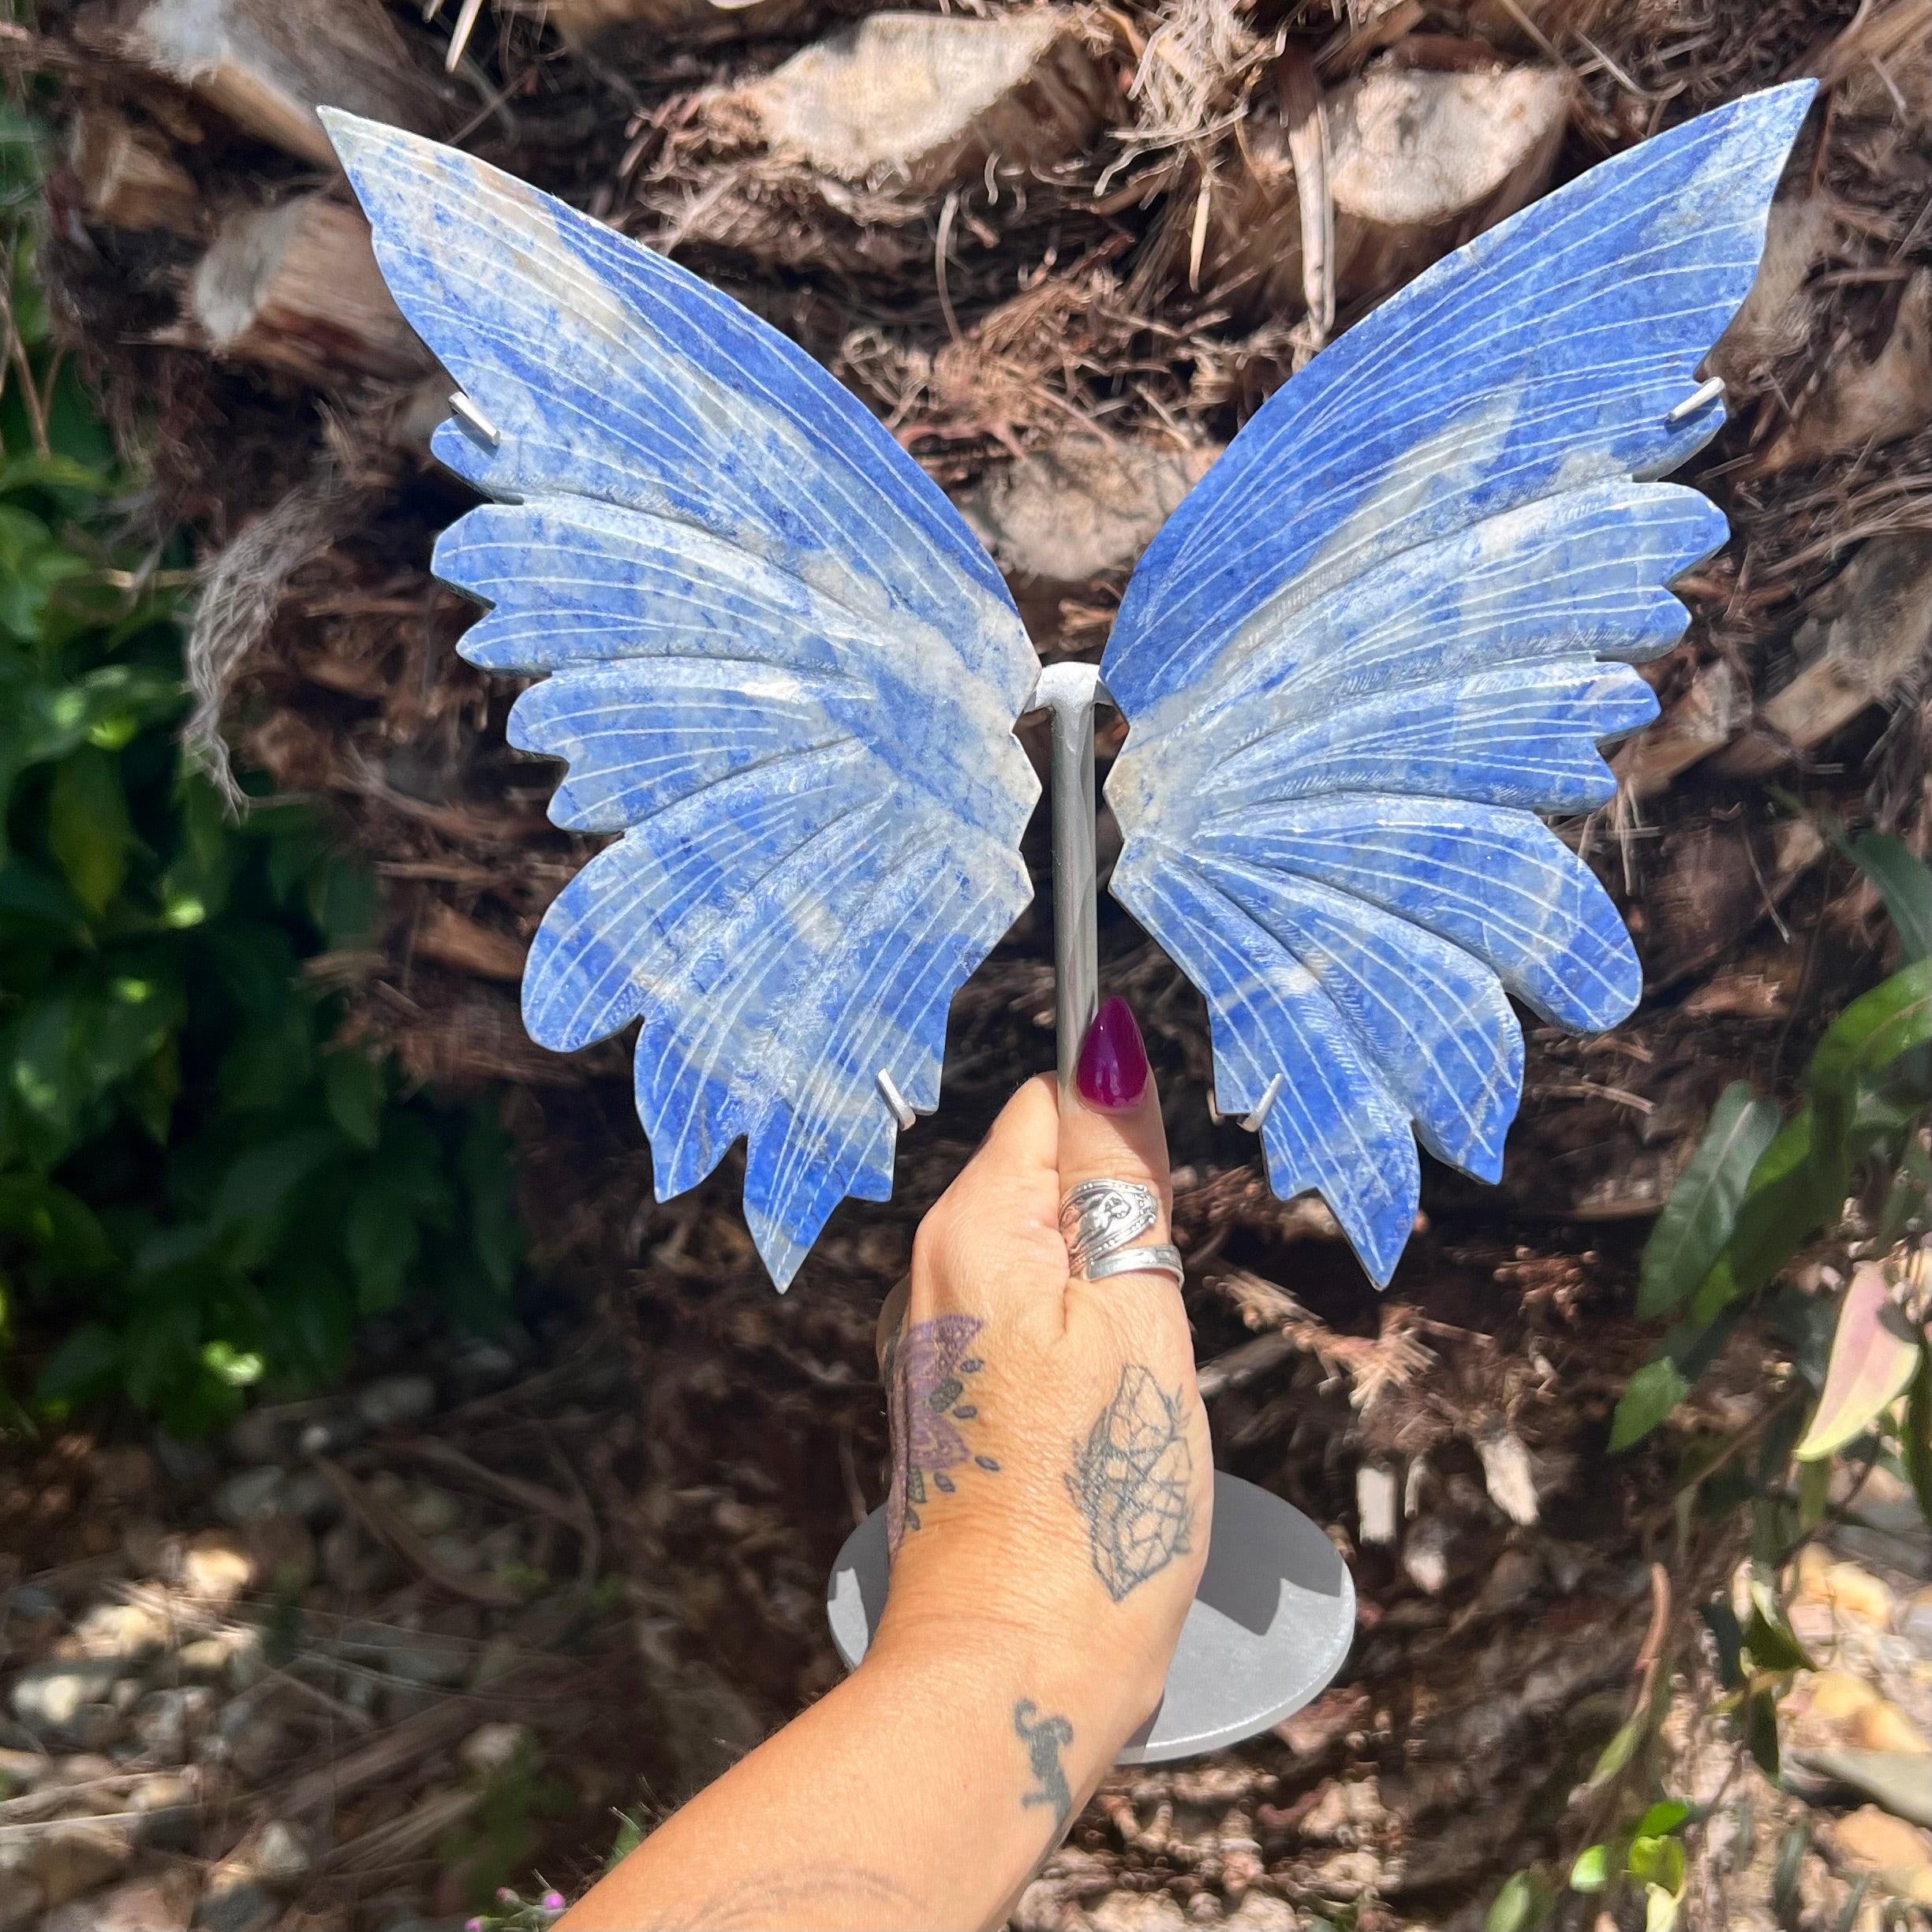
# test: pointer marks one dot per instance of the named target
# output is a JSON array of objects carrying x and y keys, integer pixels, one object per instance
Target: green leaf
[
  {"x": 1657, "y": 1861},
  {"x": 1701, "y": 1212},
  {"x": 1904, "y": 883},
  {"x": 381, "y": 1240},
  {"x": 86, "y": 1362},
  {"x": 352, "y": 1089},
  {"x": 1667, "y": 1816},
  {"x": 1523, "y": 1903},
  {"x": 1652, "y": 1393},
  {"x": 1618, "y": 1753},
  {"x": 1595, "y": 1867},
  {"x": 88, "y": 830},
  {"x": 1866, "y": 1038},
  {"x": 1770, "y": 1642},
  {"x": 1873, "y": 1354}
]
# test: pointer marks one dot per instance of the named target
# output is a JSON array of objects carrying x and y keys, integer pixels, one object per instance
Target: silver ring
[
  {"x": 1098, "y": 1221},
  {"x": 1159, "y": 1258}
]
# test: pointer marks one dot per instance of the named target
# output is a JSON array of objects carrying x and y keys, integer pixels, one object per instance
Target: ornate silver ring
[{"x": 1099, "y": 1221}]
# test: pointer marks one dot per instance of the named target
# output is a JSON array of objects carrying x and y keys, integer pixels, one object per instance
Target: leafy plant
[
  {"x": 201, "y": 1189},
  {"x": 1760, "y": 1188}
]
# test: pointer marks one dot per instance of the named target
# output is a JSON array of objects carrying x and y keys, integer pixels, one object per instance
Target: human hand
[{"x": 1052, "y": 1479}]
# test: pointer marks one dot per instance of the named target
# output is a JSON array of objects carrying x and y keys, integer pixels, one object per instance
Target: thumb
[{"x": 1111, "y": 1130}]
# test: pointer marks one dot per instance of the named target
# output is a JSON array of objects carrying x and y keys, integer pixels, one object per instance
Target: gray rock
[
  {"x": 166, "y": 1721},
  {"x": 479, "y": 1367},
  {"x": 396, "y": 1398},
  {"x": 160, "y": 1901},
  {"x": 234, "y": 1903},
  {"x": 307, "y": 1495},
  {"x": 188, "y": 1464},
  {"x": 332, "y": 1434},
  {"x": 416, "y": 1656},
  {"x": 250, "y": 1495},
  {"x": 279, "y": 1854},
  {"x": 259, "y": 1437},
  {"x": 46, "y": 1696},
  {"x": 492, "y": 1748},
  {"x": 122, "y": 1630},
  {"x": 98, "y": 1727},
  {"x": 30, "y": 1602},
  {"x": 431, "y": 1512}
]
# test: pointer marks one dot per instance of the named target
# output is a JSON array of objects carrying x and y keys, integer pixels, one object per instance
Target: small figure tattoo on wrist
[
  {"x": 1130, "y": 1480},
  {"x": 1045, "y": 1737},
  {"x": 927, "y": 1367}
]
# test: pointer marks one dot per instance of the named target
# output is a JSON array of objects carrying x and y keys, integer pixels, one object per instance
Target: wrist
[{"x": 1002, "y": 1659}]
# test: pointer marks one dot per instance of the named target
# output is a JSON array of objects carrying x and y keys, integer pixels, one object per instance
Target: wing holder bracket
[
  {"x": 475, "y": 425},
  {"x": 889, "y": 1092},
  {"x": 1707, "y": 392}
]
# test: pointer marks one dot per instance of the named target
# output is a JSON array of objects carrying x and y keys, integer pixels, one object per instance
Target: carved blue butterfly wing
[
  {"x": 1393, "y": 624},
  {"x": 779, "y": 665}
]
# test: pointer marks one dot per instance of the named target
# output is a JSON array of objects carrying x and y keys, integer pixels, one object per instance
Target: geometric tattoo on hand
[
  {"x": 926, "y": 1368},
  {"x": 1044, "y": 1738},
  {"x": 1130, "y": 1480}
]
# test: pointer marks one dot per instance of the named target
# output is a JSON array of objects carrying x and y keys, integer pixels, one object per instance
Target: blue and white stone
[
  {"x": 779, "y": 664},
  {"x": 1397, "y": 621}
]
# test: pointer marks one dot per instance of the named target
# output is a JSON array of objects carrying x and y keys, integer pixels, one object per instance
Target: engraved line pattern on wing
[
  {"x": 779, "y": 665},
  {"x": 1396, "y": 619}
]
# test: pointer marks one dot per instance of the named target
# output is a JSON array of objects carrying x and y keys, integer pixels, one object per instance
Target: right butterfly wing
[
  {"x": 779, "y": 665},
  {"x": 1390, "y": 626}
]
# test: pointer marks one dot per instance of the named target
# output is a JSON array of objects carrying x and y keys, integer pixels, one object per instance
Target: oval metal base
[{"x": 1269, "y": 1628}]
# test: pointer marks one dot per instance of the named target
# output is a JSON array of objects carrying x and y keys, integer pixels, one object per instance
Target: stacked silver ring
[{"x": 1099, "y": 1220}]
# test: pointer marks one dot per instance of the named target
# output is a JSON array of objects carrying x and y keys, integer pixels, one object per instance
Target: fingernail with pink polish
[{"x": 1112, "y": 1073}]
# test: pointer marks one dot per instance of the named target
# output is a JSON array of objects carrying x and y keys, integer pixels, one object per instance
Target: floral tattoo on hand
[{"x": 926, "y": 1367}]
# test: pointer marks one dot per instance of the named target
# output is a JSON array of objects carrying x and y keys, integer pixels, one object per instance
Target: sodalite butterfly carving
[{"x": 1392, "y": 625}]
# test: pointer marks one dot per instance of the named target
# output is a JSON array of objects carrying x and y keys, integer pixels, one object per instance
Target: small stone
[
  {"x": 258, "y": 1747},
  {"x": 493, "y": 1748},
  {"x": 189, "y": 1465},
  {"x": 21, "y": 1769},
  {"x": 1261, "y": 1911},
  {"x": 215, "y": 1567},
  {"x": 235, "y": 1903},
  {"x": 431, "y": 1512},
  {"x": 250, "y": 1494},
  {"x": 396, "y": 1398},
  {"x": 353, "y": 1561},
  {"x": 29, "y": 1602},
  {"x": 260, "y": 1436},
  {"x": 124, "y": 1474},
  {"x": 205, "y": 1656},
  {"x": 145, "y": 1543},
  {"x": 1872, "y": 1840},
  {"x": 455, "y": 1554},
  {"x": 127, "y": 1631},
  {"x": 479, "y": 1367},
  {"x": 74, "y": 1856},
  {"x": 1857, "y": 1594},
  {"x": 47, "y": 1697},
  {"x": 494, "y": 1661},
  {"x": 332, "y": 1434},
  {"x": 278, "y": 1854},
  {"x": 416, "y": 1656},
  {"x": 170, "y": 1805},
  {"x": 97, "y": 1727},
  {"x": 1137, "y": 1912},
  {"x": 160, "y": 1900},
  {"x": 166, "y": 1721},
  {"x": 307, "y": 1494}
]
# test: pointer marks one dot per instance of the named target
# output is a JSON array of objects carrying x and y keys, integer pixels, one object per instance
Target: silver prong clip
[
  {"x": 1254, "y": 1121},
  {"x": 1705, "y": 393},
  {"x": 889, "y": 1092},
  {"x": 478, "y": 426}
]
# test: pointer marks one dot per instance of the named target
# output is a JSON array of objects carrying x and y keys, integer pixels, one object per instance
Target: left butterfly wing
[
  {"x": 1391, "y": 625},
  {"x": 777, "y": 664}
]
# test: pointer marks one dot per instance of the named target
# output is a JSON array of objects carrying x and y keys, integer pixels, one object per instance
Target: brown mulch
[{"x": 744, "y": 1435}]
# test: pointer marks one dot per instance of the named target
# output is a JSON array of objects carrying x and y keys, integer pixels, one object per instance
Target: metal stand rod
[{"x": 1070, "y": 692}]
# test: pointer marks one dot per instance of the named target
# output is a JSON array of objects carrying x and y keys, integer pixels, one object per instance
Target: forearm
[{"x": 923, "y": 1791}]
